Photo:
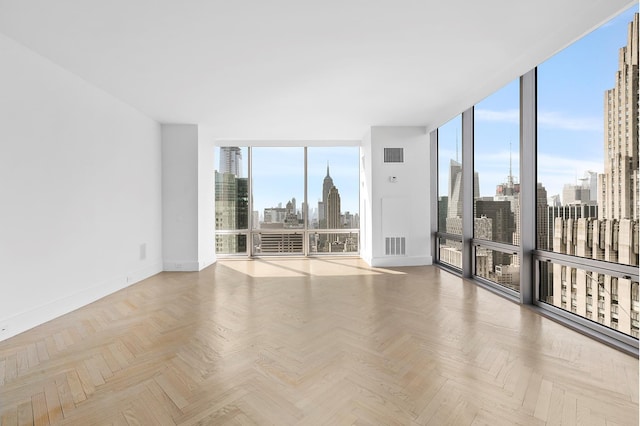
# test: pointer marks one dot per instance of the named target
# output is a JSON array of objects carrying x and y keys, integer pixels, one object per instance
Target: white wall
[
  {"x": 188, "y": 211},
  {"x": 206, "y": 198},
  {"x": 80, "y": 191},
  {"x": 400, "y": 208},
  {"x": 180, "y": 197}
]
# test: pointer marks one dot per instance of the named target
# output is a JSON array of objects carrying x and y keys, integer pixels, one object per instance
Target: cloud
[
  {"x": 566, "y": 164},
  {"x": 506, "y": 116},
  {"x": 558, "y": 120},
  {"x": 554, "y": 171},
  {"x": 549, "y": 119}
]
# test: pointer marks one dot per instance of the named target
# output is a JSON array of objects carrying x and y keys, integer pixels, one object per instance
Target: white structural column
[
  {"x": 188, "y": 211},
  {"x": 395, "y": 198}
]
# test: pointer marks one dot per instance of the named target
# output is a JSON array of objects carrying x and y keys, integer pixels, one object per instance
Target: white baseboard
[
  {"x": 187, "y": 265},
  {"x": 39, "y": 315},
  {"x": 367, "y": 259},
  {"x": 180, "y": 265},
  {"x": 207, "y": 263},
  {"x": 391, "y": 261}
]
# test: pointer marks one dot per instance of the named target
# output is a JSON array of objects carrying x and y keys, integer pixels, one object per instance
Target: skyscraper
[
  {"x": 619, "y": 185},
  {"x": 454, "y": 200},
  {"x": 454, "y": 208},
  {"x": 541, "y": 217},
  {"x": 613, "y": 235},
  {"x": 333, "y": 219},
  {"x": 327, "y": 184},
  {"x": 333, "y": 208},
  {"x": 502, "y": 225},
  {"x": 565, "y": 212},
  {"x": 586, "y": 192},
  {"x": 232, "y": 201},
  {"x": 231, "y": 160},
  {"x": 232, "y": 211}
]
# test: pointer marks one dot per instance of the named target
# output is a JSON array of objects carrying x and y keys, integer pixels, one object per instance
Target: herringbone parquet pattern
[{"x": 313, "y": 342}]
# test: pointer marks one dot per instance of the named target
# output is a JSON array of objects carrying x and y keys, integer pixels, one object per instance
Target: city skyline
[
  {"x": 278, "y": 175},
  {"x": 290, "y": 211},
  {"x": 232, "y": 213},
  {"x": 570, "y": 111}
]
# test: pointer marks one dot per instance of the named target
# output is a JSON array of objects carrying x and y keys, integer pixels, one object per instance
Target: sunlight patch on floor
[{"x": 299, "y": 267}]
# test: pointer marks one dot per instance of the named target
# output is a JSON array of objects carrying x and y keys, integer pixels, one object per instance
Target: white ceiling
[{"x": 300, "y": 69}]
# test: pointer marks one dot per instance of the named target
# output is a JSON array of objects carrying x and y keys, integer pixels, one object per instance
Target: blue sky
[{"x": 571, "y": 87}]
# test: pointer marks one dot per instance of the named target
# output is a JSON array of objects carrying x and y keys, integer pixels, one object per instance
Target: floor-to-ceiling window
[
  {"x": 496, "y": 186},
  {"x": 576, "y": 118},
  {"x": 450, "y": 192},
  {"x": 264, "y": 208},
  {"x": 588, "y": 173}
]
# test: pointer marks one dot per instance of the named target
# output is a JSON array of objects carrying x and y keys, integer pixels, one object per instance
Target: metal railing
[{"x": 288, "y": 242}]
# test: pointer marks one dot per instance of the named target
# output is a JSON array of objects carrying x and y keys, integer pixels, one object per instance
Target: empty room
[{"x": 310, "y": 213}]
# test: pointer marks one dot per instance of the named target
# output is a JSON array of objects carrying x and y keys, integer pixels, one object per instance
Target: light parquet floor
[{"x": 311, "y": 342}]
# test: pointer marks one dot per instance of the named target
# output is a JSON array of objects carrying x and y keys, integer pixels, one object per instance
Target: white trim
[
  {"x": 400, "y": 261},
  {"x": 39, "y": 315},
  {"x": 207, "y": 263},
  {"x": 181, "y": 266},
  {"x": 298, "y": 143}
]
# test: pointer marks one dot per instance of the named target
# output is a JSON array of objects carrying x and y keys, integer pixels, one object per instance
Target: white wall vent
[
  {"x": 394, "y": 155},
  {"x": 394, "y": 246}
]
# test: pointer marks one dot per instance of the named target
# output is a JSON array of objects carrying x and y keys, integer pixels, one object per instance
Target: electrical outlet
[
  {"x": 178, "y": 266},
  {"x": 143, "y": 251}
]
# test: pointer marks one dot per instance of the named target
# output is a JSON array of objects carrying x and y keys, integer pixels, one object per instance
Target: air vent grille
[
  {"x": 395, "y": 246},
  {"x": 394, "y": 155}
]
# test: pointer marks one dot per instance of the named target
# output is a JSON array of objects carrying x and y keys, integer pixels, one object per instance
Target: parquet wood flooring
[{"x": 311, "y": 342}]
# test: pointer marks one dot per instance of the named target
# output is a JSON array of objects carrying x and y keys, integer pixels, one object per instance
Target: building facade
[
  {"x": 608, "y": 231},
  {"x": 232, "y": 211}
]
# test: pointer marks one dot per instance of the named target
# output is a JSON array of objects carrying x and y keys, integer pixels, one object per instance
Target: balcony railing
[
  {"x": 335, "y": 242},
  {"x": 298, "y": 242}
]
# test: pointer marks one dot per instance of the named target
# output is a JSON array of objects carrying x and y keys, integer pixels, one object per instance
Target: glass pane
[
  {"x": 335, "y": 242},
  {"x": 588, "y": 202},
  {"x": 604, "y": 299},
  {"x": 278, "y": 187},
  {"x": 272, "y": 243},
  {"x": 496, "y": 161},
  {"x": 231, "y": 244},
  {"x": 501, "y": 268},
  {"x": 333, "y": 187},
  {"x": 232, "y": 198},
  {"x": 450, "y": 177},
  {"x": 451, "y": 252}
]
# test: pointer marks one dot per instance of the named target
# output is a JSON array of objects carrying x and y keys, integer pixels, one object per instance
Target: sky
[{"x": 571, "y": 87}]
